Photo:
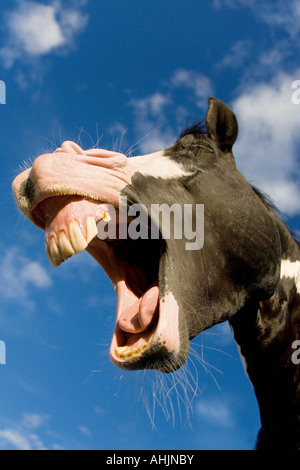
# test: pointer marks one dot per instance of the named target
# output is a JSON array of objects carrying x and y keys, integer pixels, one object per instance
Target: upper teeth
[
  {"x": 106, "y": 217},
  {"x": 58, "y": 251}
]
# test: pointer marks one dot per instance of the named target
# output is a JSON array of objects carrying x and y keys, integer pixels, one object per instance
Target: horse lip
[
  {"x": 158, "y": 345},
  {"x": 32, "y": 213},
  {"x": 161, "y": 340}
]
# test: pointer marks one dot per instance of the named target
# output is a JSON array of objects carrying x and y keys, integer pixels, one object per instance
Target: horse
[{"x": 244, "y": 268}]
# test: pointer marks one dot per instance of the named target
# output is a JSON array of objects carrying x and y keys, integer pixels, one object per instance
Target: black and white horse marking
[{"x": 247, "y": 272}]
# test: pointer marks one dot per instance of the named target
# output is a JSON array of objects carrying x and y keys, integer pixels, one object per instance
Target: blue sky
[{"x": 128, "y": 75}]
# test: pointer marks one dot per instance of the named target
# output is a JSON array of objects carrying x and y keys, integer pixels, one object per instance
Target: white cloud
[
  {"x": 18, "y": 273},
  {"x": 284, "y": 15},
  {"x": 85, "y": 431},
  {"x": 215, "y": 412},
  {"x": 158, "y": 115},
  {"x": 15, "y": 438},
  {"x": 237, "y": 55},
  {"x": 271, "y": 60},
  {"x": 267, "y": 148},
  {"x": 150, "y": 122},
  {"x": 198, "y": 83},
  {"x": 34, "y": 420},
  {"x": 233, "y": 3},
  {"x": 35, "y": 29},
  {"x": 20, "y": 437},
  {"x": 151, "y": 106}
]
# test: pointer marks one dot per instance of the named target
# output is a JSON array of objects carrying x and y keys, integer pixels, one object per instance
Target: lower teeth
[{"x": 123, "y": 352}]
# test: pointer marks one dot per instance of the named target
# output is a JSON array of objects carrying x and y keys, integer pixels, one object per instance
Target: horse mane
[
  {"x": 196, "y": 128},
  {"x": 267, "y": 200}
]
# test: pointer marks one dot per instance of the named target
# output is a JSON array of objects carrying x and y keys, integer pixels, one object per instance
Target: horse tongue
[
  {"x": 139, "y": 316},
  {"x": 149, "y": 307}
]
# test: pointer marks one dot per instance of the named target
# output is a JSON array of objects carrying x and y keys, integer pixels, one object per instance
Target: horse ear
[{"x": 221, "y": 124}]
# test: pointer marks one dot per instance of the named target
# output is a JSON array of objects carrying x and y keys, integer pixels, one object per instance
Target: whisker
[
  {"x": 134, "y": 147},
  {"x": 83, "y": 131}
]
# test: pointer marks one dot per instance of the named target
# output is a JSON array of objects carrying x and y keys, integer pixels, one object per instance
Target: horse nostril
[{"x": 27, "y": 190}]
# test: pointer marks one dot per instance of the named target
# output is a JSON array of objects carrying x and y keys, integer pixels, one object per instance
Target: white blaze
[
  {"x": 291, "y": 269},
  {"x": 156, "y": 164}
]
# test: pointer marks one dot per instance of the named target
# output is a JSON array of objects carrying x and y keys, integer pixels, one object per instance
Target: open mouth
[{"x": 70, "y": 224}]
